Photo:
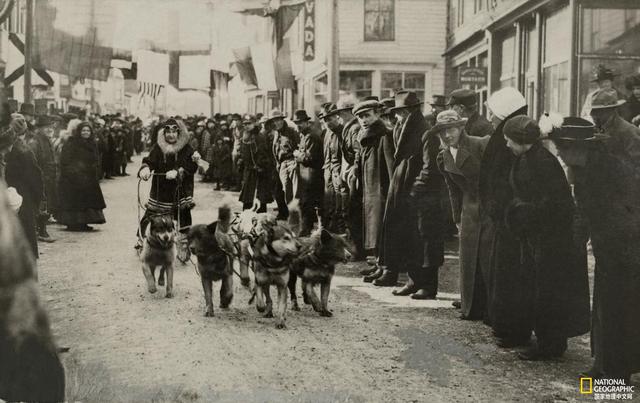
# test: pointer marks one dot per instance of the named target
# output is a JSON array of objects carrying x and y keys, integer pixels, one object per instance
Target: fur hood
[{"x": 183, "y": 139}]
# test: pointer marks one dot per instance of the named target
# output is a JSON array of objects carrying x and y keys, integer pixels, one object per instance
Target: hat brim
[
  {"x": 326, "y": 115},
  {"x": 616, "y": 105},
  {"x": 595, "y": 137},
  {"x": 445, "y": 125},
  {"x": 360, "y": 111},
  {"x": 301, "y": 120},
  {"x": 611, "y": 77},
  {"x": 397, "y": 108},
  {"x": 274, "y": 118}
]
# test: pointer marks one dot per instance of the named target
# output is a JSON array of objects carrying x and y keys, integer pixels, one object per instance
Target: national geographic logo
[{"x": 606, "y": 388}]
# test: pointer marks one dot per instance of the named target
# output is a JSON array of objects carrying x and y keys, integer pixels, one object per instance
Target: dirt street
[{"x": 128, "y": 345}]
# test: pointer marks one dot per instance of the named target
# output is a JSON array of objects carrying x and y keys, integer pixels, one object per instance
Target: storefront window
[
  {"x": 320, "y": 91},
  {"x": 508, "y": 65},
  {"x": 409, "y": 81},
  {"x": 355, "y": 85},
  {"x": 557, "y": 50},
  {"x": 606, "y": 32}
]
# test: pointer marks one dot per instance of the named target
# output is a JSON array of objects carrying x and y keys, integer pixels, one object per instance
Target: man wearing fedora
[
  {"x": 499, "y": 250},
  {"x": 603, "y": 77},
  {"x": 464, "y": 102},
  {"x": 541, "y": 217},
  {"x": 438, "y": 104},
  {"x": 310, "y": 180},
  {"x": 41, "y": 143},
  {"x": 624, "y": 137},
  {"x": 335, "y": 190},
  {"x": 401, "y": 248},
  {"x": 607, "y": 192},
  {"x": 285, "y": 140}
]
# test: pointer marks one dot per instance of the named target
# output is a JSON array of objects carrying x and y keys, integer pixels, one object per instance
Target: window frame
[
  {"x": 403, "y": 74},
  {"x": 392, "y": 19}
]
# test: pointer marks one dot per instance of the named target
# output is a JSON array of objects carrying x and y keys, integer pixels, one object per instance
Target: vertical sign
[{"x": 309, "y": 30}]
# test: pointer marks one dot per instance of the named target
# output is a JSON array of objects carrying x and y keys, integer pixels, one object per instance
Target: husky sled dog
[
  {"x": 214, "y": 250},
  {"x": 316, "y": 264},
  {"x": 159, "y": 250},
  {"x": 248, "y": 226},
  {"x": 273, "y": 251}
]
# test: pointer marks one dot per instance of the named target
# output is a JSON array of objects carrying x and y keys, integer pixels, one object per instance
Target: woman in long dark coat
[
  {"x": 541, "y": 217},
  {"x": 255, "y": 165},
  {"x": 607, "y": 192},
  {"x": 461, "y": 174},
  {"x": 507, "y": 300},
  {"x": 81, "y": 200}
]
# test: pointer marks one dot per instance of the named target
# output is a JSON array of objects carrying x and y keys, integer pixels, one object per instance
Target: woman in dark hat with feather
[{"x": 81, "y": 200}]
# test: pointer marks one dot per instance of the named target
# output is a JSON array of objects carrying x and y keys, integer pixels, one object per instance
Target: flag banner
[
  {"x": 263, "y": 63},
  {"x": 244, "y": 65},
  {"x": 284, "y": 69},
  {"x": 151, "y": 90},
  {"x": 219, "y": 82},
  {"x": 77, "y": 50},
  {"x": 153, "y": 67}
]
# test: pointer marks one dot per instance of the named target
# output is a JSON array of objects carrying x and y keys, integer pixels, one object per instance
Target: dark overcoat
[
  {"x": 374, "y": 160},
  {"x": 508, "y": 301},
  {"x": 221, "y": 160},
  {"x": 608, "y": 195},
  {"x": 478, "y": 126},
  {"x": 310, "y": 160},
  {"x": 400, "y": 245},
  {"x": 256, "y": 168},
  {"x": 461, "y": 175},
  {"x": 541, "y": 217},
  {"x": 42, "y": 148},
  {"x": 22, "y": 173},
  {"x": 79, "y": 187}
]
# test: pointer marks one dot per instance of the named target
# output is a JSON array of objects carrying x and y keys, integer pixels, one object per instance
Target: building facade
[
  {"x": 383, "y": 45},
  {"x": 548, "y": 49}
]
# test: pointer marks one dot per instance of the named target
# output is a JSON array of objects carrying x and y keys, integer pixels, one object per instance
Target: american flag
[{"x": 149, "y": 89}]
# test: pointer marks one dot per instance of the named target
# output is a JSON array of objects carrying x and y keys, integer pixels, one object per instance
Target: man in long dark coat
[
  {"x": 255, "y": 165},
  {"x": 372, "y": 172},
  {"x": 310, "y": 180},
  {"x": 335, "y": 190},
  {"x": 507, "y": 303},
  {"x": 350, "y": 154},
  {"x": 401, "y": 248},
  {"x": 607, "y": 192},
  {"x": 459, "y": 162},
  {"x": 541, "y": 217}
]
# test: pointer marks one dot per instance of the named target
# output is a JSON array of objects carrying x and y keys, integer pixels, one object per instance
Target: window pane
[
  {"x": 508, "y": 54},
  {"x": 378, "y": 20},
  {"x": 624, "y": 69},
  {"x": 556, "y": 89},
  {"x": 355, "y": 85},
  {"x": 557, "y": 41},
  {"x": 391, "y": 81},
  {"x": 414, "y": 81},
  {"x": 610, "y": 31}
]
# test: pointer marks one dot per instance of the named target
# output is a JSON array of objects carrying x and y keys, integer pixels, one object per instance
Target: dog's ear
[
  {"x": 325, "y": 236},
  {"x": 212, "y": 227}
]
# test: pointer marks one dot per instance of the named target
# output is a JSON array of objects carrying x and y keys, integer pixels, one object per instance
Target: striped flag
[{"x": 149, "y": 89}]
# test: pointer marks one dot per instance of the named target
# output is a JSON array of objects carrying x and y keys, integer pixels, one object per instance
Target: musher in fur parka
[{"x": 171, "y": 152}]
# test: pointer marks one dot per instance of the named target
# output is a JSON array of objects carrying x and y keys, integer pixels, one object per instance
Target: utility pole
[
  {"x": 333, "y": 59},
  {"x": 93, "y": 30},
  {"x": 212, "y": 93},
  {"x": 28, "y": 45}
]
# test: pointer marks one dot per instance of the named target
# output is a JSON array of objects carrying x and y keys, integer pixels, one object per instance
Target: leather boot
[
  {"x": 408, "y": 289},
  {"x": 376, "y": 274},
  {"x": 388, "y": 279},
  {"x": 43, "y": 235}
]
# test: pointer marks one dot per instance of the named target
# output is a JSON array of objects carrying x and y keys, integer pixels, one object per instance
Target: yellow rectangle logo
[{"x": 586, "y": 386}]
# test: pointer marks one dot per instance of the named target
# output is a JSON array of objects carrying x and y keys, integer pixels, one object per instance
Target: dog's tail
[
  {"x": 295, "y": 216},
  {"x": 224, "y": 218}
]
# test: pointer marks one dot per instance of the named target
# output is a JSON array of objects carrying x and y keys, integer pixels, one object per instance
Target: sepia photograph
[{"x": 349, "y": 201}]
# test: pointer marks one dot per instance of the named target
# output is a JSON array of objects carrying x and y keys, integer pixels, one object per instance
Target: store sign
[
  {"x": 473, "y": 76},
  {"x": 309, "y": 30}
]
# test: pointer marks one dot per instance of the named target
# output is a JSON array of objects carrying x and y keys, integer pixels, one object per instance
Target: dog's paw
[
  {"x": 326, "y": 313},
  {"x": 169, "y": 294},
  {"x": 261, "y": 308},
  {"x": 161, "y": 281},
  {"x": 208, "y": 313},
  {"x": 281, "y": 325},
  {"x": 152, "y": 289},
  {"x": 245, "y": 282},
  {"x": 295, "y": 306},
  {"x": 268, "y": 314}
]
